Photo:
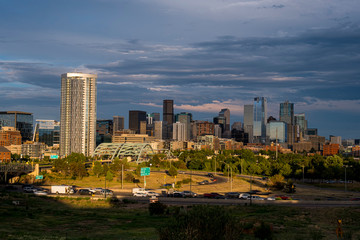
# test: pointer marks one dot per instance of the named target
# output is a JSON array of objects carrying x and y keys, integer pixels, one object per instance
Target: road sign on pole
[
  {"x": 39, "y": 177},
  {"x": 145, "y": 171}
]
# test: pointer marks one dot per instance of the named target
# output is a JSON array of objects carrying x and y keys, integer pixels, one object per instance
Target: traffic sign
[
  {"x": 145, "y": 171},
  {"x": 39, "y": 177}
]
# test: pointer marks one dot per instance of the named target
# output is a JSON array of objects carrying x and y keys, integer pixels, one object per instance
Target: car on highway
[
  {"x": 205, "y": 182},
  {"x": 84, "y": 191},
  {"x": 29, "y": 189},
  {"x": 40, "y": 193},
  {"x": 282, "y": 197},
  {"x": 107, "y": 192},
  {"x": 213, "y": 195},
  {"x": 177, "y": 195},
  {"x": 232, "y": 195},
  {"x": 270, "y": 198},
  {"x": 256, "y": 198},
  {"x": 139, "y": 194},
  {"x": 155, "y": 194},
  {"x": 244, "y": 195},
  {"x": 188, "y": 194},
  {"x": 98, "y": 190}
]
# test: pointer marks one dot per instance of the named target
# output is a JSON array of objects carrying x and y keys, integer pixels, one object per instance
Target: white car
[
  {"x": 150, "y": 194},
  {"x": 270, "y": 199},
  {"x": 257, "y": 198},
  {"x": 139, "y": 194},
  {"x": 188, "y": 194},
  {"x": 40, "y": 193},
  {"x": 244, "y": 196}
]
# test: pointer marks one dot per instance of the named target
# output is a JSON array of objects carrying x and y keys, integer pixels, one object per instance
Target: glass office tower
[
  {"x": 260, "y": 116},
  {"x": 47, "y": 131},
  {"x": 22, "y": 121}
]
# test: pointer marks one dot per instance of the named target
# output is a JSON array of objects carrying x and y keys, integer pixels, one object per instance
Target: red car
[
  {"x": 213, "y": 179},
  {"x": 282, "y": 197}
]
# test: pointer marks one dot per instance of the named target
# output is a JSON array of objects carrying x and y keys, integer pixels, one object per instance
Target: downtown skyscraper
[
  {"x": 260, "y": 116},
  {"x": 168, "y": 117},
  {"x": 78, "y": 113}
]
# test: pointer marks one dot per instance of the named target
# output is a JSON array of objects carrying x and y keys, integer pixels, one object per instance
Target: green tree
[
  {"x": 172, "y": 171},
  {"x": 109, "y": 176},
  {"x": 97, "y": 169},
  {"x": 115, "y": 166}
]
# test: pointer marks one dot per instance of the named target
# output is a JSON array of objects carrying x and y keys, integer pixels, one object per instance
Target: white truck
[{"x": 62, "y": 189}]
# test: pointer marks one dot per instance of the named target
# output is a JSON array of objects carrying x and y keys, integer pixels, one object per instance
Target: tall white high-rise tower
[{"x": 78, "y": 113}]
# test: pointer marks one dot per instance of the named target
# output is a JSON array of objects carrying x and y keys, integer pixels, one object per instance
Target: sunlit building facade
[{"x": 78, "y": 113}]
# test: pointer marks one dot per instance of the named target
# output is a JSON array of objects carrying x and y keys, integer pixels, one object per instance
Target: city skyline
[{"x": 206, "y": 55}]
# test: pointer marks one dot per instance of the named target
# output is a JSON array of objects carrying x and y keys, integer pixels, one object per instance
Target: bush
[
  {"x": 172, "y": 171},
  {"x": 264, "y": 231},
  {"x": 202, "y": 222},
  {"x": 277, "y": 182},
  {"x": 129, "y": 177},
  {"x": 157, "y": 208},
  {"x": 128, "y": 201}
]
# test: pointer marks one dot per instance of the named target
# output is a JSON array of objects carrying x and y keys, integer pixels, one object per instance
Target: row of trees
[
  {"x": 266, "y": 164},
  {"x": 239, "y": 162}
]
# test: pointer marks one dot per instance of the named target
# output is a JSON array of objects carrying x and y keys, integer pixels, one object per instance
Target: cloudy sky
[{"x": 204, "y": 54}]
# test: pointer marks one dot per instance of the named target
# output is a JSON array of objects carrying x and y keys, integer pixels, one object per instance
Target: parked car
[
  {"x": 151, "y": 194},
  {"x": 167, "y": 185},
  {"x": 177, "y": 195},
  {"x": 188, "y": 194},
  {"x": 213, "y": 195},
  {"x": 210, "y": 175},
  {"x": 232, "y": 195},
  {"x": 205, "y": 182},
  {"x": 139, "y": 194},
  {"x": 213, "y": 179},
  {"x": 84, "y": 191}
]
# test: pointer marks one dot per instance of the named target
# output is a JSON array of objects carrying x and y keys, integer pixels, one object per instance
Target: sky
[{"x": 204, "y": 54}]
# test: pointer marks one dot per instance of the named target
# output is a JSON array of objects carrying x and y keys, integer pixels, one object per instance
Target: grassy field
[{"x": 65, "y": 218}]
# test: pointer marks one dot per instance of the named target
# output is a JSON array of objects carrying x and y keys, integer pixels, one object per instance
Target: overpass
[{"x": 10, "y": 170}]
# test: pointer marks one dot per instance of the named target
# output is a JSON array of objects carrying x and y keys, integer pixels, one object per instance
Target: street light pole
[
  {"x": 122, "y": 176},
  {"x": 345, "y": 177},
  {"x": 190, "y": 179},
  {"x": 231, "y": 181},
  {"x": 303, "y": 167}
]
